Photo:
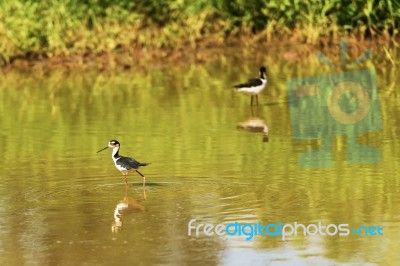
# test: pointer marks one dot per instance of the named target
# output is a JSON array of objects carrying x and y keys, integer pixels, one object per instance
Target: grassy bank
[{"x": 50, "y": 29}]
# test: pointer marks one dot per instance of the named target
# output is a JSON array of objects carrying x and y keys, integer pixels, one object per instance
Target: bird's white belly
[
  {"x": 253, "y": 90},
  {"x": 119, "y": 167}
]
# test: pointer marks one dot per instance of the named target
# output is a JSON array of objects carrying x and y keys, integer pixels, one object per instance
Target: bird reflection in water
[
  {"x": 255, "y": 124},
  {"x": 126, "y": 207}
]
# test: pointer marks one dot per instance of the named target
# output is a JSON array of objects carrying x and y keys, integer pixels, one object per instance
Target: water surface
[{"x": 63, "y": 204}]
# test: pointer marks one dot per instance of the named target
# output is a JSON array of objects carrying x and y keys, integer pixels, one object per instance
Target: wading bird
[
  {"x": 124, "y": 164},
  {"x": 254, "y": 86}
]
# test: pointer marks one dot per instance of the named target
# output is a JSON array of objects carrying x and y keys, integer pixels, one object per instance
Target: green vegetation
[{"x": 48, "y": 28}]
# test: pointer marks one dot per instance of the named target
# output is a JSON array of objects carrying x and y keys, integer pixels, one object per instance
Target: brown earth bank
[{"x": 128, "y": 57}]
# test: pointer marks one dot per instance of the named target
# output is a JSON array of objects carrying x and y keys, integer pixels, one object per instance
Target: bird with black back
[
  {"x": 254, "y": 86},
  {"x": 122, "y": 163}
]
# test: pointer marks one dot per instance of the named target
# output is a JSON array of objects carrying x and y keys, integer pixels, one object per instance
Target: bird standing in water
[
  {"x": 122, "y": 163},
  {"x": 254, "y": 86}
]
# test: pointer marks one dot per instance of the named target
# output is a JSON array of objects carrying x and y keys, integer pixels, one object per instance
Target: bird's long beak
[{"x": 102, "y": 149}]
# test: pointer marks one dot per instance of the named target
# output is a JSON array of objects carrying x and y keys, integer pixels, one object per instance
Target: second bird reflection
[{"x": 255, "y": 124}]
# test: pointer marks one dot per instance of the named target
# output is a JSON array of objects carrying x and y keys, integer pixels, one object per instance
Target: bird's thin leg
[
  {"x": 126, "y": 180},
  {"x": 126, "y": 192},
  {"x": 144, "y": 194},
  {"x": 257, "y": 99},
  {"x": 251, "y": 101},
  {"x": 144, "y": 178}
]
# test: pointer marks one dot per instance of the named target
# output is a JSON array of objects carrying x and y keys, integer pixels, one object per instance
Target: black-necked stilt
[
  {"x": 124, "y": 164},
  {"x": 254, "y": 86}
]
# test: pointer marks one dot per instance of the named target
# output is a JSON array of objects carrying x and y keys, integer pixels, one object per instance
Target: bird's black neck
[{"x": 115, "y": 153}]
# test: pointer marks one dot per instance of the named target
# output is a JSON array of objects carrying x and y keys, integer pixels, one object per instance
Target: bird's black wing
[
  {"x": 130, "y": 163},
  {"x": 250, "y": 83}
]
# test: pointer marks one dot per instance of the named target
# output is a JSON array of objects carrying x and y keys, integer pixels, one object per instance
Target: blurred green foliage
[{"x": 49, "y": 27}]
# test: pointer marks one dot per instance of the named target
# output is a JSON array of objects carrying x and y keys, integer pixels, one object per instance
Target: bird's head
[{"x": 111, "y": 144}]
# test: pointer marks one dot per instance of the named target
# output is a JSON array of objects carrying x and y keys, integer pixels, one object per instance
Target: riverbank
[
  {"x": 122, "y": 34},
  {"x": 125, "y": 59}
]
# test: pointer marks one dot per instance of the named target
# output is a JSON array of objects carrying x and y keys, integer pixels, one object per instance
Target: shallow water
[{"x": 63, "y": 204}]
